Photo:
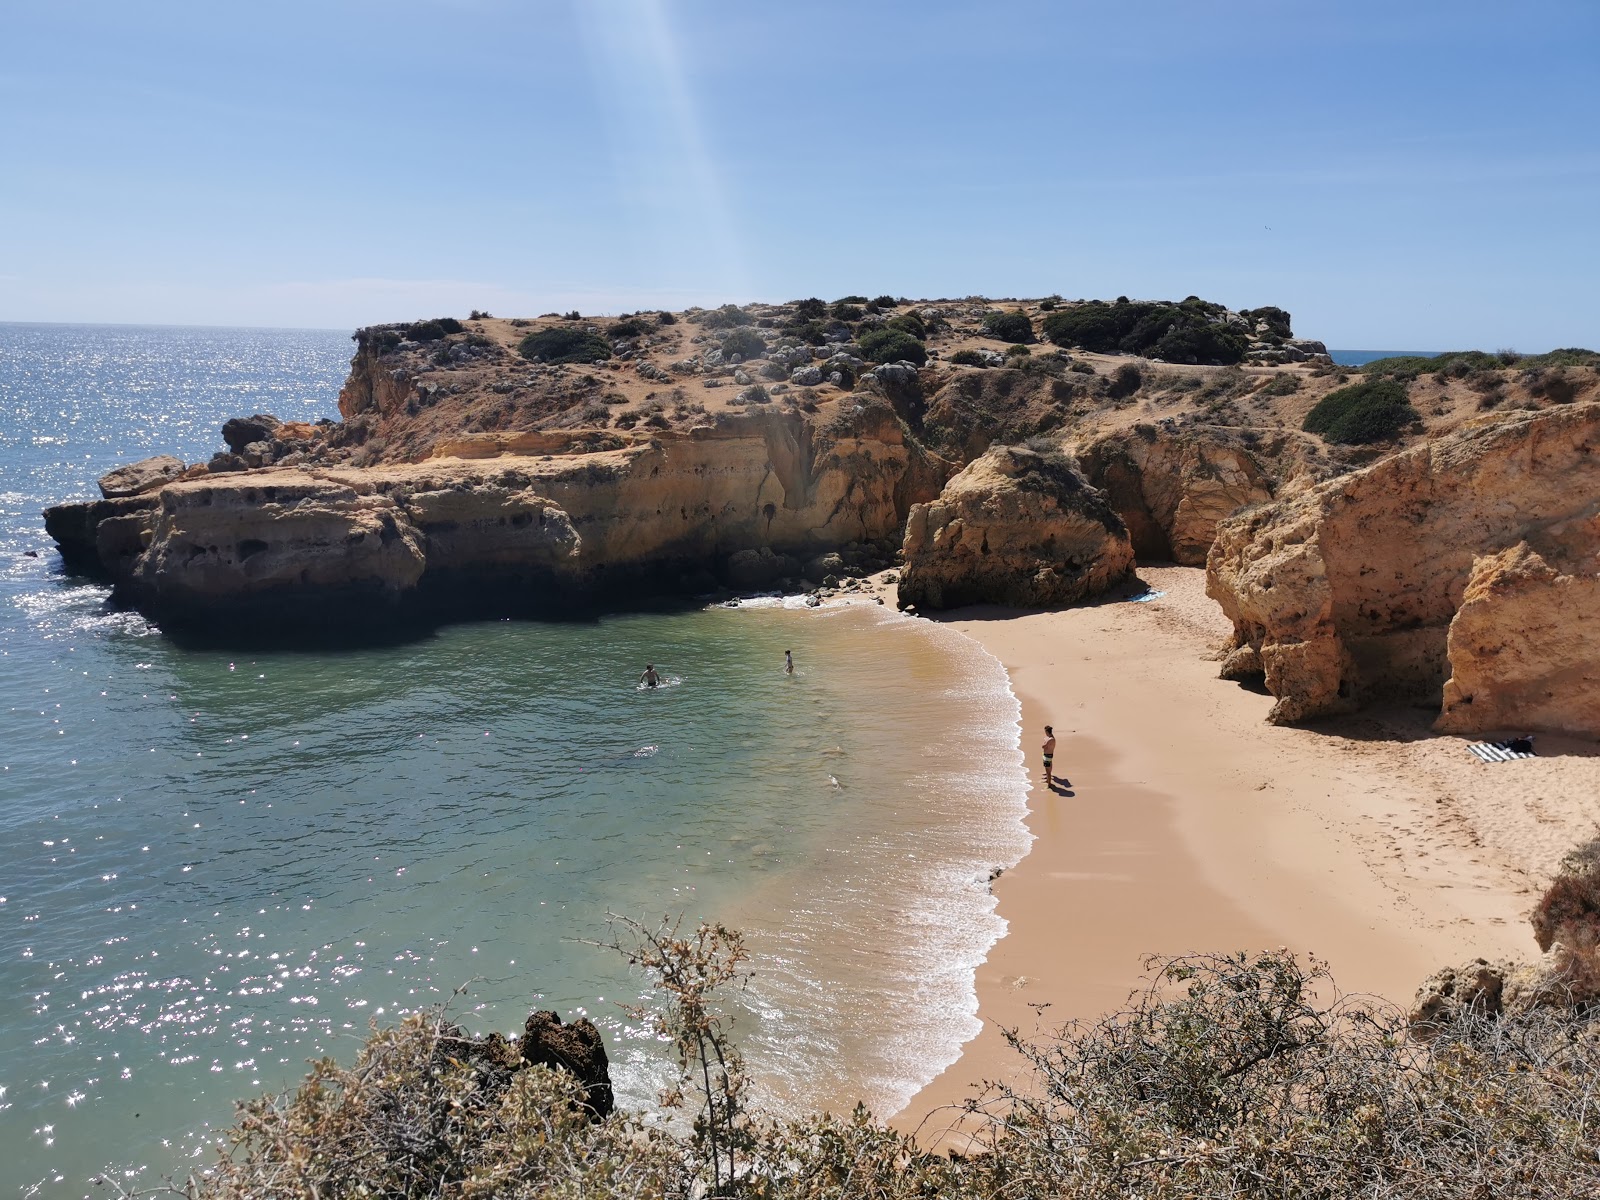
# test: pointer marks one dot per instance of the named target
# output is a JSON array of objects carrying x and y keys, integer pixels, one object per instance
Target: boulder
[
  {"x": 1566, "y": 926},
  {"x": 145, "y": 475},
  {"x": 577, "y": 1049},
  {"x": 1524, "y": 647},
  {"x": 821, "y": 567},
  {"x": 806, "y": 376},
  {"x": 1015, "y": 527},
  {"x": 1171, "y": 487},
  {"x": 239, "y": 432},
  {"x": 1349, "y": 589}
]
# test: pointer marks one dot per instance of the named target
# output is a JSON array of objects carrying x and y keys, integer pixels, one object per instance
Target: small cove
[{"x": 220, "y": 864}]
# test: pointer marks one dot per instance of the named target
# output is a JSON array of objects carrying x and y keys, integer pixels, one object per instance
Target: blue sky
[{"x": 1408, "y": 174}]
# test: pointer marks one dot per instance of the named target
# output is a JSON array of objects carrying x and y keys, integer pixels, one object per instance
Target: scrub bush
[
  {"x": 1008, "y": 326},
  {"x": 1373, "y": 410},
  {"x": 892, "y": 345},
  {"x": 564, "y": 345}
]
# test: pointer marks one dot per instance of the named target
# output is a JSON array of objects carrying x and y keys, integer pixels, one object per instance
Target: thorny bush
[{"x": 1242, "y": 1076}]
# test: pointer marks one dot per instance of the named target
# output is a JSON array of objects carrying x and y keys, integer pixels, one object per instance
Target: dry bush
[{"x": 1241, "y": 1077}]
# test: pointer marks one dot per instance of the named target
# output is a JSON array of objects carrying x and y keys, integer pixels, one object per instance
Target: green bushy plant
[
  {"x": 892, "y": 345},
  {"x": 746, "y": 343},
  {"x": 968, "y": 358},
  {"x": 432, "y": 331},
  {"x": 564, "y": 345},
  {"x": 1193, "y": 331},
  {"x": 1373, "y": 410},
  {"x": 729, "y": 316},
  {"x": 886, "y": 301},
  {"x": 843, "y": 310},
  {"x": 631, "y": 328},
  {"x": 911, "y": 323},
  {"x": 1008, "y": 326}
]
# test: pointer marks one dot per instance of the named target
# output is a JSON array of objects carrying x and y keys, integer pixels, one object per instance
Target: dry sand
[{"x": 1191, "y": 824}]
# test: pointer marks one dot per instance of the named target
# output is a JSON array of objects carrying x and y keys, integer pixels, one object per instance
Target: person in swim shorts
[
  {"x": 650, "y": 678},
  {"x": 788, "y": 662},
  {"x": 1049, "y": 756}
]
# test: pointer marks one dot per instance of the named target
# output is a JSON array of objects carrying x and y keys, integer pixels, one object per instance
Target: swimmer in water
[
  {"x": 788, "y": 662},
  {"x": 650, "y": 678}
]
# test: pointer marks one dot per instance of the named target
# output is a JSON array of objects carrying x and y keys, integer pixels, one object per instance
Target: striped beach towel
[{"x": 1498, "y": 751}]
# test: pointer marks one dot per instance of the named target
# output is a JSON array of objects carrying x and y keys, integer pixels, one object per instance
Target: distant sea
[
  {"x": 1359, "y": 358},
  {"x": 216, "y": 865}
]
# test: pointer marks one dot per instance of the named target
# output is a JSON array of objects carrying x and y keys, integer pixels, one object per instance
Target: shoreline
[{"x": 1193, "y": 825}]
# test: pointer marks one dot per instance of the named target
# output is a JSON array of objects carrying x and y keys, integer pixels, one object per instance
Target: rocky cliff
[
  {"x": 1350, "y": 591},
  {"x": 514, "y": 532},
  {"x": 1015, "y": 527}
]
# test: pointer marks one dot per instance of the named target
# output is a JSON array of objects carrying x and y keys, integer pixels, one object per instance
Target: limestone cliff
[
  {"x": 1171, "y": 487},
  {"x": 1015, "y": 527},
  {"x": 515, "y": 532},
  {"x": 1348, "y": 591},
  {"x": 1524, "y": 647}
]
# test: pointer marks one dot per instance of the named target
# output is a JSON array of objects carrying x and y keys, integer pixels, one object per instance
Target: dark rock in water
[
  {"x": 239, "y": 432},
  {"x": 576, "y": 1048},
  {"x": 142, "y": 476},
  {"x": 30, "y": 554}
]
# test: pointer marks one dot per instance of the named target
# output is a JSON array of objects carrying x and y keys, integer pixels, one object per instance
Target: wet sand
[{"x": 1191, "y": 824}]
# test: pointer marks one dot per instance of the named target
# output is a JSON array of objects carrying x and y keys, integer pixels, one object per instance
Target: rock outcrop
[
  {"x": 1348, "y": 591},
  {"x": 509, "y": 533},
  {"x": 145, "y": 475},
  {"x": 1016, "y": 527},
  {"x": 1524, "y": 647},
  {"x": 1566, "y": 925},
  {"x": 577, "y": 1048},
  {"x": 1171, "y": 487}
]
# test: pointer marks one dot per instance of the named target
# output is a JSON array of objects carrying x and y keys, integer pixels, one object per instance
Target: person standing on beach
[
  {"x": 788, "y": 662},
  {"x": 1049, "y": 756},
  {"x": 651, "y": 677}
]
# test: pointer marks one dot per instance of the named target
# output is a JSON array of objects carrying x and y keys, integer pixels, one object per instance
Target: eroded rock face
[
  {"x": 503, "y": 531},
  {"x": 1171, "y": 488},
  {"x": 1017, "y": 528},
  {"x": 1524, "y": 647},
  {"x": 577, "y": 1048},
  {"x": 1348, "y": 591},
  {"x": 1566, "y": 925}
]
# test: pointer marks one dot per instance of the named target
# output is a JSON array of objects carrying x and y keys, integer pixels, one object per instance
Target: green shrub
[
  {"x": 968, "y": 358},
  {"x": 892, "y": 345},
  {"x": 1277, "y": 320},
  {"x": 811, "y": 309},
  {"x": 813, "y": 333},
  {"x": 1193, "y": 331},
  {"x": 886, "y": 302},
  {"x": 910, "y": 323},
  {"x": 1373, "y": 410},
  {"x": 628, "y": 329},
  {"x": 1008, "y": 326},
  {"x": 746, "y": 343},
  {"x": 665, "y": 318},
  {"x": 1049, "y": 303},
  {"x": 1018, "y": 351},
  {"x": 432, "y": 331},
  {"x": 1409, "y": 366},
  {"x": 574, "y": 315},
  {"x": 1281, "y": 384},
  {"x": 850, "y": 300},
  {"x": 1571, "y": 356},
  {"x": 1124, "y": 382},
  {"x": 564, "y": 345},
  {"x": 846, "y": 311},
  {"x": 729, "y": 316}
]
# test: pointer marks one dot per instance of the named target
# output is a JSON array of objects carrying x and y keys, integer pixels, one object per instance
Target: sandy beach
[{"x": 1186, "y": 822}]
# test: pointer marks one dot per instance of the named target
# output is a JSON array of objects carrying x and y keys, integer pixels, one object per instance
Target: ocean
[
  {"x": 218, "y": 864},
  {"x": 1360, "y": 358}
]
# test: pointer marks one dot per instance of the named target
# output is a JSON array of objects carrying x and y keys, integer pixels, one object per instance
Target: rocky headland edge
[{"x": 1438, "y": 538}]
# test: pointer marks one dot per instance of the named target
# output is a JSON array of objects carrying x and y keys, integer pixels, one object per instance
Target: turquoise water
[{"x": 215, "y": 865}]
